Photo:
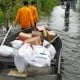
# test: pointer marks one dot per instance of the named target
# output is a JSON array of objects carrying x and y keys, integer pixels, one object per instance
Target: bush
[{"x": 1, "y": 16}]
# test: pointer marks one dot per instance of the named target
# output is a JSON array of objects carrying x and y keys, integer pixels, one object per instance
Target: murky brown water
[{"x": 70, "y": 40}]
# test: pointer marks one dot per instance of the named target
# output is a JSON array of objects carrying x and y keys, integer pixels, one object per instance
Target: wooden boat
[{"x": 8, "y": 70}]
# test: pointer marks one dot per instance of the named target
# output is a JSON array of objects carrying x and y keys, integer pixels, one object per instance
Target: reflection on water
[{"x": 70, "y": 40}]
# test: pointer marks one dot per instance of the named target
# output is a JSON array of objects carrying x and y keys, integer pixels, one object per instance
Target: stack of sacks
[
  {"x": 37, "y": 56},
  {"x": 46, "y": 33}
]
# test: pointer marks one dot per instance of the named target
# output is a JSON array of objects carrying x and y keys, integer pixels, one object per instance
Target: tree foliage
[
  {"x": 1, "y": 16},
  {"x": 10, "y": 7}
]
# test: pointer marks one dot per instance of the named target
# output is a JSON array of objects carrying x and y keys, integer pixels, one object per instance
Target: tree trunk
[
  {"x": 6, "y": 20},
  {"x": 7, "y": 24}
]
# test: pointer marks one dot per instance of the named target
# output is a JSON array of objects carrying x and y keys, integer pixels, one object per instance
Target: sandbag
[
  {"x": 23, "y": 57},
  {"x": 6, "y": 51},
  {"x": 25, "y": 51},
  {"x": 41, "y": 57},
  {"x": 20, "y": 63},
  {"x": 16, "y": 44},
  {"x": 50, "y": 48}
]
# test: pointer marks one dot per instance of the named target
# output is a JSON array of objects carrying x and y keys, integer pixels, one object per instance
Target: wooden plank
[
  {"x": 13, "y": 72},
  {"x": 16, "y": 73}
]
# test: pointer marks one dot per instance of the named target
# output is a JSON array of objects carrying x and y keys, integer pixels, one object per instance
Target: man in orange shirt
[
  {"x": 24, "y": 17},
  {"x": 34, "y": 13}
]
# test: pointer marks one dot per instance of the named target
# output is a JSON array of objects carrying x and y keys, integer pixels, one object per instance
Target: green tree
[
  {"x": 10, "y": 7},
  {"x": 1, "y": 16},
  {"x": 6, "y": 6}
]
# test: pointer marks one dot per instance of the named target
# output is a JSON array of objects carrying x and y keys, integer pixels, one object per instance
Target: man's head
[
  {"x": 25, "y": 2},
  {"x": 32, "y": 2}
]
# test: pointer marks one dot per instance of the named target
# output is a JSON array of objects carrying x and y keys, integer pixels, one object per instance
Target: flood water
[{"x": 70, "y": 40}]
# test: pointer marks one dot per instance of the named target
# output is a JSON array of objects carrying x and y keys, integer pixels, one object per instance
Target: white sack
[
  {"x": 26, "y": 52},
  {"x": 7, "y": 51},
  {"x": 41, "y": 57},
  {"x": 16, "y": 44},
  {"x": 51, "y": 49},
  {"x": 20, "y": 63},
  {"x": 22, "y": 58}
]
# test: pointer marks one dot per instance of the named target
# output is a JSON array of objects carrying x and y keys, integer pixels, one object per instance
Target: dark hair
[
  {"x": 32, "y": 2},
  {"x": 25, "y": 2}
]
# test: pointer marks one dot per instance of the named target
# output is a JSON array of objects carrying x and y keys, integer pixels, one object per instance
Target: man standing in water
[
  {"x": 34, "y": 13},
  {"x": 24, "y": 17},
  {"x": 67, "y": 13}
]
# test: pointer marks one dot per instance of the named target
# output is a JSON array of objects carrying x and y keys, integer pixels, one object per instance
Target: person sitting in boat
[{"x": 24, "y": 17}]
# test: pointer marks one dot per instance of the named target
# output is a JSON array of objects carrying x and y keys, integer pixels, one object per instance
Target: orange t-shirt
[
  {"x": 34, "y": 13},
  {"x": 24, "y": 17}
]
